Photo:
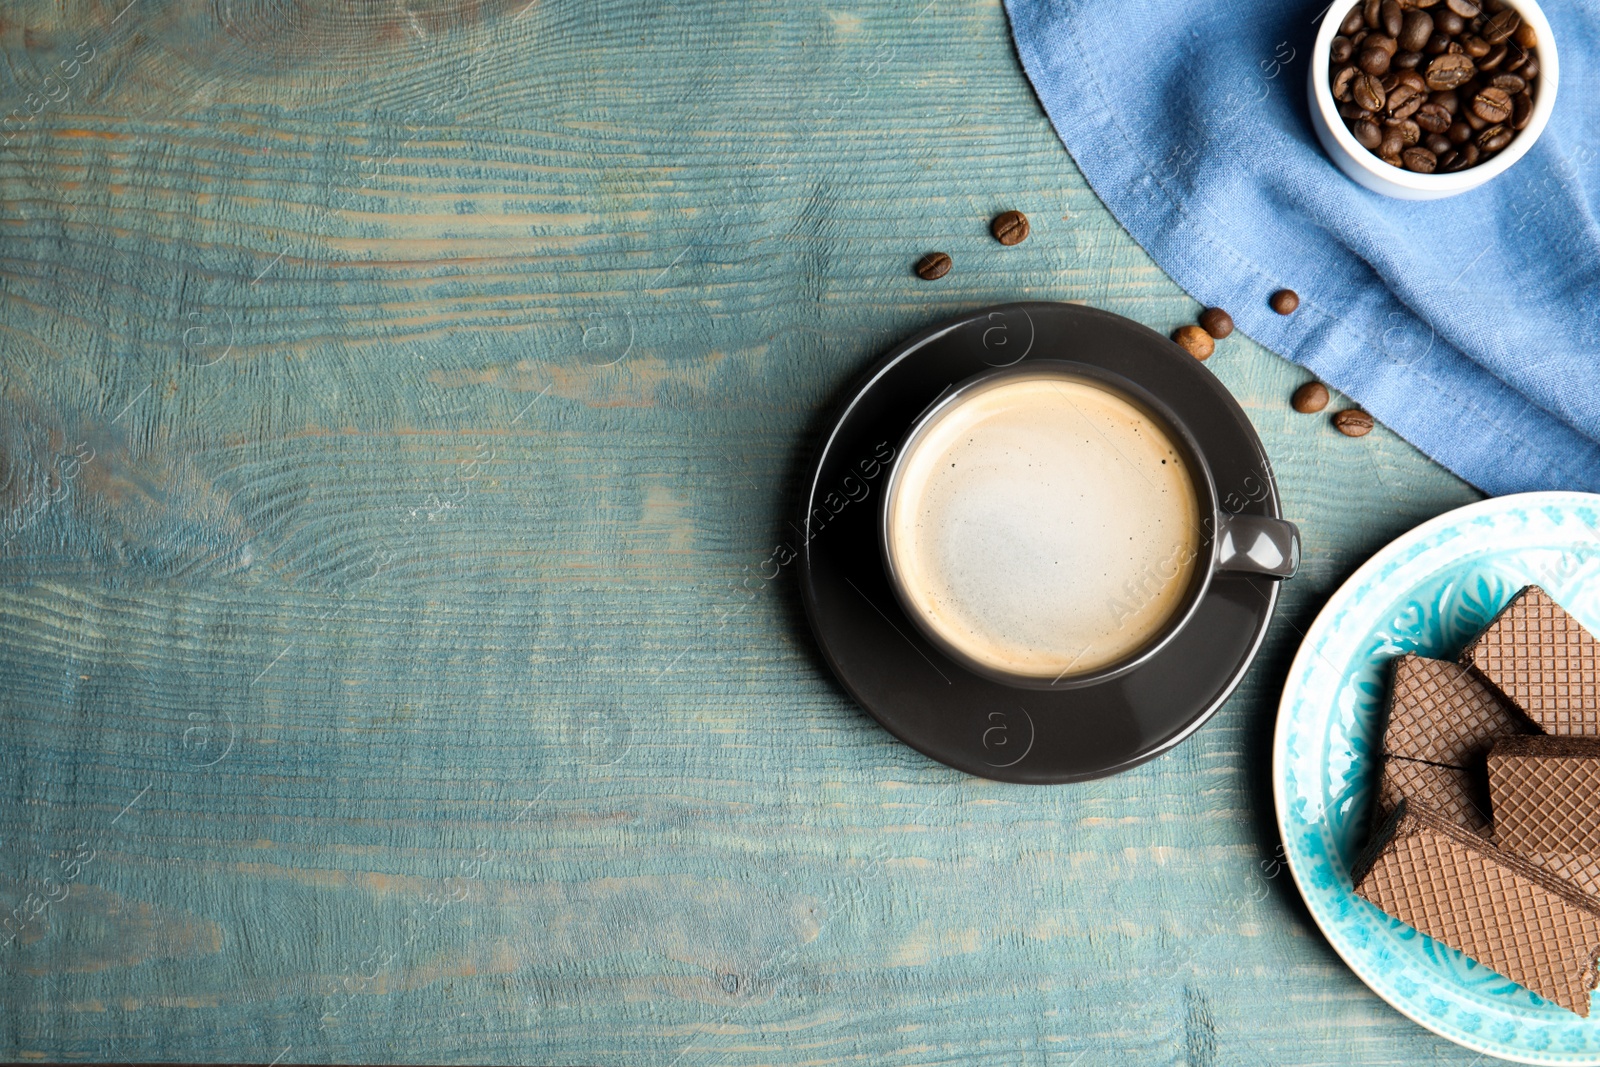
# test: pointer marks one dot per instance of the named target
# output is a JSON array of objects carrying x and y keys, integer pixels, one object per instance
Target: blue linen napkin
[{"x": 1470, "y": 326}]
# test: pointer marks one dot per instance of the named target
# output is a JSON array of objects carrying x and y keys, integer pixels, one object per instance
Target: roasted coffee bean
[
  {"x": 1415, "y": 30},
  {"x": 1353, "y": 422},
  {"x": 1459, "y": 132},
  {"x": 1432, "y": 118},
  {"x": 1502, "y": 27},
  {"x": 1437, "y": 143},
  {"x": 1195, "y": 341},
  {"x": 1495, "y": 138},
  {"x": 933, "y": 265},
  {"x": 1509, "y": 82},
  {"x": 1530, "y": 69},
  {"x": 1391, "y": 18},
  {"x": 1390, "y": 80},
  {"x": 1217, "y": 322},
  {"x": 1413, "y": 79},
  {"x": 1449, "y": 99},
  {"x": 1372, "y": 13},
  {"x": 1527, "y": 36},
  {"x": 1367, "y": 91},
  {"x": 1497, "y": 55},
  {"x": 1373, "y": 61},
  {"x": 1284, "y": 301},
  {"x": 1310, "y": 398},
  {"x": 1367, "y": 134},
  {"x": 1342, "y": 82},
  {"x": 1406, "y": 61},
  {"x": 1521, "y": 111},
  {"x": 1352, "y": 112},
  {"x": 1449, "y": 23},
  {"x": 1448, "y": 71},
  {"x": 1475, "y": 46},
  {"x": 1410, "y": 133},
  {"x": 1342, "y": 50},
  {"x": 1390, "y": 147},
  {"x": 1010, "y": 227},
  {"x": 1463, "y": 157},
  {"x": 1383, "y": 41},
  {"x": 1475, "y": 120},
  {"x": 1419, "y": 159},
  {"x": 1404, "y": 101},
  {"x": 1467, "y": 9},
  {"x": 1353, "y": 22},
  {"x": 1438, "y": 44},
  {"x": 1454, "y": 49},
  {"x": 1492, "y": 105},
  {"x": 1516, "y": 59}
]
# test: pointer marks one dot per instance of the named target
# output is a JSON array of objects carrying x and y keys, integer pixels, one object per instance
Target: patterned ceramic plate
[{"x": 1427, "y": 592}]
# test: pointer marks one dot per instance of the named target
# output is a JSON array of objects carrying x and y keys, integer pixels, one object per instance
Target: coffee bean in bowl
[
  {"x": 1459, "y": 66},
  {"x": 1426, "y": 98}
]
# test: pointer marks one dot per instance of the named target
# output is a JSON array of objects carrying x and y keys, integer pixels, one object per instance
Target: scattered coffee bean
[
  {"x": 1010, "y": 227},
  {"x": 1195, "y": 341},
  {"x": 1216, "y": 322},
  {"x": 1353, "y": 422},
  {"x": 1284, "y": 301},
  {"x": 1310, "y": 398},
  {"x": 933, "y": 265},
  {"x": 1434, "y": 86}
]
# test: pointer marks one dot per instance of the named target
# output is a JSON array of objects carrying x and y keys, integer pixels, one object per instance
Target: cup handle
[{"x": 1255, "y": 544}]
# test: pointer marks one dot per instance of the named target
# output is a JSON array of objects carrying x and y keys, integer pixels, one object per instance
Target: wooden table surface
[{"x": 397, "y": 399}]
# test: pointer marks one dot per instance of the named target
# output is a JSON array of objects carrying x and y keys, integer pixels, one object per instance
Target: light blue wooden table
[{"x": 395, "y": 399}]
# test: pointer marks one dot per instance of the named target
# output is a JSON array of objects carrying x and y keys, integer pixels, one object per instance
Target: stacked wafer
[{"x": 1512, "y": 731}]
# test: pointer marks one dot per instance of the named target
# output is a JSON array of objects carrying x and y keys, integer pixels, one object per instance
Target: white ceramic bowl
[{"x": 1367, "y": 169}]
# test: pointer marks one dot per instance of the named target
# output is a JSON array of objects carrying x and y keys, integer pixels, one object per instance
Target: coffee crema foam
[{"x": 1045, "y": 526}]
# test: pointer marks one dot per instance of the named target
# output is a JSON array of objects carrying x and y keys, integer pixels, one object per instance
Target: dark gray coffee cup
[{"x": 1228, "y": 543}]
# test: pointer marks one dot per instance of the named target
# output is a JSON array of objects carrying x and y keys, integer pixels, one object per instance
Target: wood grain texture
[{"x": 397, "y": 401}]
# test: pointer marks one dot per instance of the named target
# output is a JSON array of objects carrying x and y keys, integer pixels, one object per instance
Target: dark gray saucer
[{"x": 927, "y": 700}]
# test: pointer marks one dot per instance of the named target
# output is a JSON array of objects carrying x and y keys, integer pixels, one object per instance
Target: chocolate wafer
[
  {"x": 1501, "y": 910},
  {"x": 1454, "y": 792},
  {"x": 1544, "y": 661},
  {"x": 1443, "y": 713},
  {"x": 1546, "y": 794},
  {"x": 1581, "y": 871}
]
